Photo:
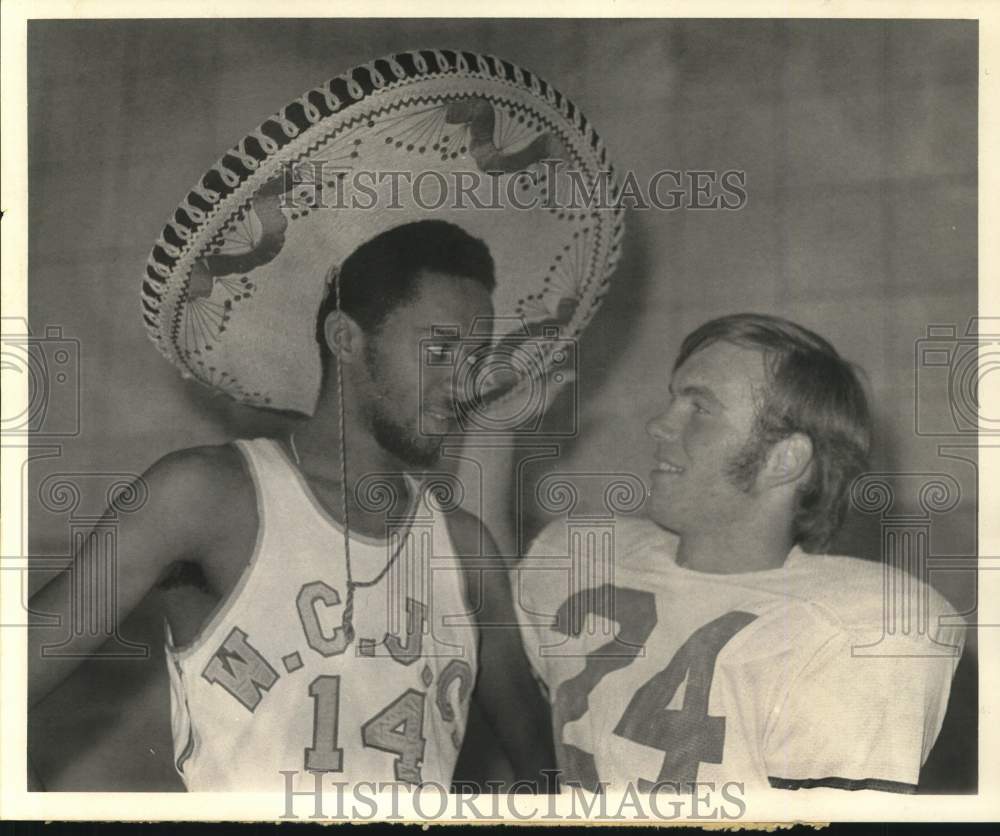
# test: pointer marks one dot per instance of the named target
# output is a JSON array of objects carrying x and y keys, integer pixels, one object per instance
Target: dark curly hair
[{"x": 382, "y": 272}]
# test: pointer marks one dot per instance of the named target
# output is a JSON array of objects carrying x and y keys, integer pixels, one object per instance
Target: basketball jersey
[
  {"x": 273, "y": 684},
  {"x": 798, "y": 676}
]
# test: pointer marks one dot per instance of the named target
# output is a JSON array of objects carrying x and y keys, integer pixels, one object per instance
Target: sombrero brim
[{"x": 233, "y": 284}]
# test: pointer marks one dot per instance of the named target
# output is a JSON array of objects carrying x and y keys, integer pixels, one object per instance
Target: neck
[
  {"x": 747, "y": 547},
  {"x": 320, "y": 450}
]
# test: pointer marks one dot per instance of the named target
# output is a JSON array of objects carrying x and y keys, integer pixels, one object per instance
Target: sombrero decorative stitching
[{"x": 232, "y": 286}]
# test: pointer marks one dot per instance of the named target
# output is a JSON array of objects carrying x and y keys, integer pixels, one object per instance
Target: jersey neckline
[{"x": 310, "y": 495}]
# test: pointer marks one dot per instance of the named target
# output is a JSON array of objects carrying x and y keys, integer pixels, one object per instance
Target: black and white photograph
[{"x": 559, "y": 418}]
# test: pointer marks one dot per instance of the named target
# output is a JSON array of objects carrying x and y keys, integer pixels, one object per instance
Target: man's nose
[
  {"x": 445, "y": 387},
  {"x": 663, "y": 427}
]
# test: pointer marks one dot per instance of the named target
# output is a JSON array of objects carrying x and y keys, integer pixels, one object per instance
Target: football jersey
[
  {"x": 799, "y": 676},
  {"x": 272, "y": 684}
]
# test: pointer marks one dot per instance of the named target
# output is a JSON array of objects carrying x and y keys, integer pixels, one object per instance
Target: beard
[
  {"x": 408, "y": 446},
  {"x": 384, "y": 406}
]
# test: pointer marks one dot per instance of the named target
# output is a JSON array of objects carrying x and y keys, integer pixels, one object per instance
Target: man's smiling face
[
  {"x": 699, "y": 436},
  {"x": 403, "y": 392}
]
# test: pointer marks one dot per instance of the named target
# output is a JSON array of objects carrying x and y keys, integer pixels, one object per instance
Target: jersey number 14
[{"x": 398, "y": 728}]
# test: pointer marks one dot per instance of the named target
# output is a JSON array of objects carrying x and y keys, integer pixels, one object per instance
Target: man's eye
[
  {"x": 439, "y": 354},
  {"x": 701, "y": 409}
]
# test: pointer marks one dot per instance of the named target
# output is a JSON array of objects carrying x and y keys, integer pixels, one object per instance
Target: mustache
[{"x": 484, "y": 396}]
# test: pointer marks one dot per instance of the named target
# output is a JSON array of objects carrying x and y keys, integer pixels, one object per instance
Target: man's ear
[
  {"x": 788, "y": 462},
  {"x": 344, "y": 336}
]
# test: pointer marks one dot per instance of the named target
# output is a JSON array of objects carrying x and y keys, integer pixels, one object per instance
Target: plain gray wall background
[{"x": 858, "y": 139}]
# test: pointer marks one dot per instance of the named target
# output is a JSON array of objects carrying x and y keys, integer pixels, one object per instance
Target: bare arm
[
  {"x": 506, "y": 691},
  {"x": 184, "y": 492}
]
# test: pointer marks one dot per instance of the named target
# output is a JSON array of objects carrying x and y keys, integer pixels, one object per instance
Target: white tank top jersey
[
  {"x": 271, "y": 684},
  {"x": 801, "y": 676}
]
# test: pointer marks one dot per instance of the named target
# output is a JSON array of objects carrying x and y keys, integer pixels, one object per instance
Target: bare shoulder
[
  {"x": 208, "y": 462},
  {"x": 203, "y": 474},
  {"x": 197, "y": 492}
]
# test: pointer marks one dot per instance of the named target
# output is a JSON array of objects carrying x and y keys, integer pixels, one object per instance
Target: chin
[
  {"x": 663, "y": 517},
  {"x": 420, "y": 457},
  {"x": 413, "y": 458},
  {"x": 666, "y": 526},
  {"x": 410, "y": 448},
  {"x": 657, "y": 508}
]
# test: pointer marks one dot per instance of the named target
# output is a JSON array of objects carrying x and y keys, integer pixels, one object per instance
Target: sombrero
[{"x": 233, "y": 284}]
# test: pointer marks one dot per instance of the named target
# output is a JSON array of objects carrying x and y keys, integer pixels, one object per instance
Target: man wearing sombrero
[{"x": 351, "y": 586}]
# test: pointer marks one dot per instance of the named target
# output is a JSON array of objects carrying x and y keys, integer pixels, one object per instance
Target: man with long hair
[{"x": 741, "y": 651}]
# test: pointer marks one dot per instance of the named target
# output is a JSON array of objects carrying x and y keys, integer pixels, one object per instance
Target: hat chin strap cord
[{"x": 347, "y": 619}]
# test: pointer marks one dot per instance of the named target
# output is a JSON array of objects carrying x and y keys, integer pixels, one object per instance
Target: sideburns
[{"x": 742, "y": 469}]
